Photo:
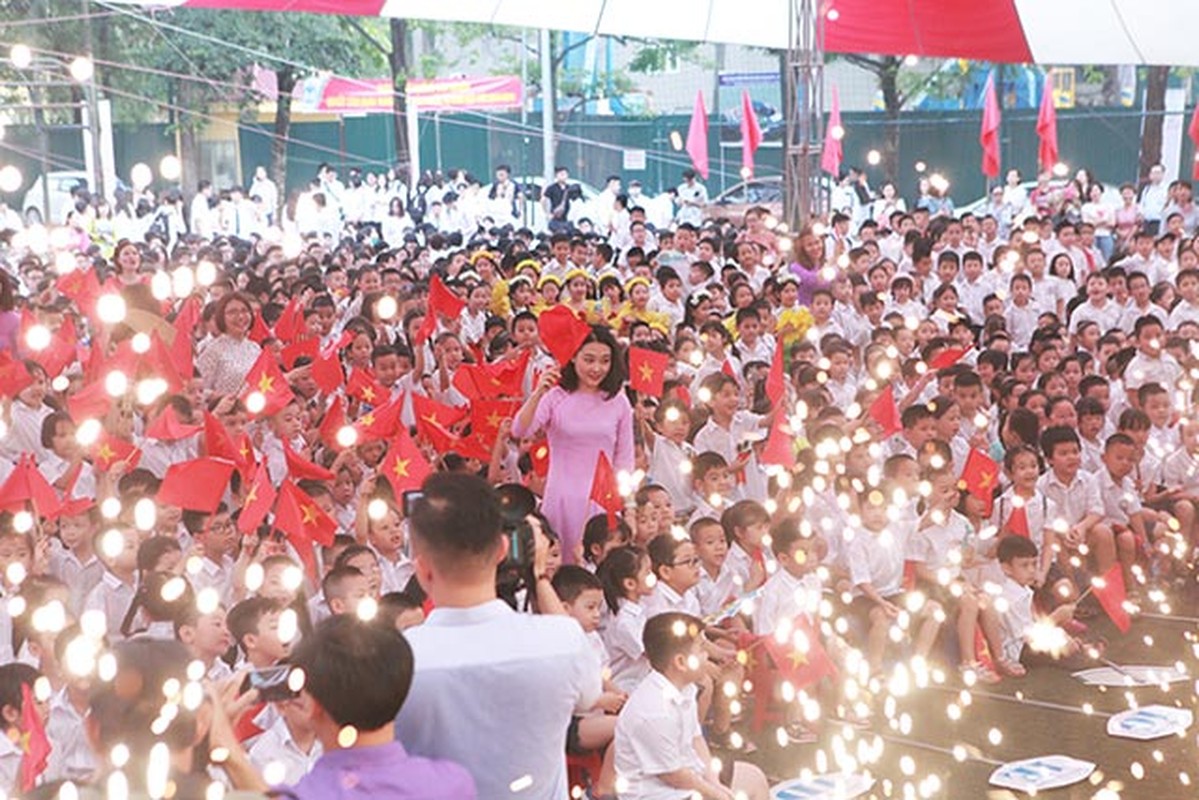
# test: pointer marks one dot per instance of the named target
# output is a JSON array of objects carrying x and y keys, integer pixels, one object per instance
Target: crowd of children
[{"x": 774, "y": 466}]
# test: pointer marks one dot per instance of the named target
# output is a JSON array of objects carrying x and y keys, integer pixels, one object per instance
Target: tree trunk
[
  {"x": 286, "y": 79},
  {"x": 888, "y": 82},
  {"x": 399, "y": 77},
  {"x": 1155, "y": 111},
  {"x": 189, "y": 151}
]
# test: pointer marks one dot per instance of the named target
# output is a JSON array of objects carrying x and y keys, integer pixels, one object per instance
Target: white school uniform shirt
[
  {"x": 714, "y": 593},
  {"x": 745, "y": 426},
  {"x": 394, "y": 574},
  {"x": 1128, "y": 319},
  {"x": 933, "y": 545},
  {"x": 80, "y": 577},
  {"x": 626, "y": 653},
  {"x": 1038, "y": 509},
  {"x": 1074, "y": 500},
  {"x": 664, "y": 600},
  {"x": 1183, "y": 312},
  {"x": 1106, "y": 316},
  {"x": 665, "y": 470},
  {"x": 111, "y": 596},
  {"x": 52, "y": 468},
  {"x": 1021, "y": 322},
  {"x": 656, "y": 734},
  {"x": 785, "y": 596},
  {"x": 878, "y": 559},
  {"x": 972, "y": 294},
  {"x": 1015, "y": 616},
  {"x": 1143, "y": 369},
  {"x": 212, "y": 575},
  {"x": 157, "y": 455},
  {"x": 842, "y": 392},
  {"x": 1180, "y": 470},
  {"x": 1162, "y": 442},
  {"x": 276, "y": 746},
  {"x": 71, "y": 756},
  {"x": 10, "y": 765},
  {"x": 25, "y": 431},
  {"x": 494, "y": 690},
  {"x": 1120, "y": 500}
]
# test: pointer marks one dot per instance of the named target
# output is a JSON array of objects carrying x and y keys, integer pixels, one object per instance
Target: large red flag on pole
[
  {"x": 831, "y": 153},
  {"x": 1047, "y": 127},
  {"x": 988, "y": 137},
  {"x": 1193, "y": 132},
  {"x": 751, "y": 134},
  {"x": 697, "y": 136}
]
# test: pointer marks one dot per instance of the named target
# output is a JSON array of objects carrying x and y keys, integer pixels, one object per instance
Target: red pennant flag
[
  {"x": 1193, "y": 132},
  {"x": 109, "y": 449},
  {"x": 291, "y": 322},
  {"x": 381, "y": 422},
  {"x": 1017, "y": 522},
  {"x": 404, "y": 466},
  {"x": 160, "y": 363},
  {"x": 363, "y": 386},
  {"x": 802, "y": 665},
  {"x": 219, "y": 444},
  {"x": 333, "y": 421},
  {"x": 196, "y": 485},
  {"x": 81, "y": 286},
  {"x": 697, "y": 136},
  {"x": 486, "y": 416},
  {"x": 309, "y": 347},
  {"x": 884, "y": 412},
  {"x": 27, "y": 485},
  {"x": 604, "y": 490},
  {"x": 168, "y": 427},
  {"x": 429, "y": 410},
  {"x": 948, "y": 357},
  {"x": 988, "y": 136},
  {"x": 37, "y": 748},
  {"x": 831, "y": 154},
  {"x": 301, "y": 468},
  {"x": 727, "y": 369},
  {"x": 15, "y": 378},
  {"x": 776, "y": 379},
  {"x": 267, "y": 379},
  {"x": 539, "y": 455},
  {"x": 751, "y": 134},
  {"x": 258, "y": 502},
  {"x": 647, "y": 370},
  {"x": 780, "y": 444},
  {"x": 303, "y": 522},
  {"x": 259, "y": 332},
  {"x": 1047, "y": 127},
  {"x": 562, "y": 332},
  {"x": 980, "y": 476},
  {"x": 1111, "y": 594},
  {"x": 442, "y": 302},
  {"x": 492, "y": 381},
  {"x": 91, "y": 402}
]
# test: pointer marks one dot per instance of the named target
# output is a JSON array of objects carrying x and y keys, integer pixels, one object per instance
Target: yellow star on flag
[
  {"x": 368, "y": 394},
  {"x": 431, "y": 418},
  {"x": 106, "y": 452},
  {"x": 647, "y": 372},
  {"x": 986, "y": 480},
  {"x": 266, "y": 384},
  {"x": 400, "y": 468},
  {"x": 494, "y": 419},
  {"x": 309, "y": 513},
  {"x": 367, "y": 420},
  {"x": 251, "y": 496},
  {"x": 796, "y": 658},
  {"x": 245, "y": 450}
]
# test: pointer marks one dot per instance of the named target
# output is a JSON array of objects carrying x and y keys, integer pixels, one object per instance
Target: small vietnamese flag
[
  {"x": 167, "y": 427},
  {"x": 259, "y": 332},
  {"x": 267, "y": 379},
  {"x": 196, "y": 485},
  {"x": 15, "y": 377},
  {"x": 110, "y": 449},
  {"x": 303, "y": 522},
  {"x": 404, "y": 466},
  {"x": 776, "y": 379},
  {"x": 290, "y": 322},
  {"x": 780, "y": 444},
  {"x": 486, "y": 416},
  {"x": 363, "y": 386},
  {"x": 380, "y": 422},
  {"x": 26, "y": 484},
  {"x": 948, "y": 357},
  {"x": 492, "y": 381},
  {"x": 441, "y": 302},
  {"x": 801, "y": 665},
  {"x": 429, "y": 410},
  {"x": 301, "y": 468},
  {"x": 647, "y": 370},
  {"x": 326, "y": 367},
  {"x": 980, "y": 476},
  {"x": 539, "y": 455},
  {"x": 1017, "y": 522},
  {"x": 884, "y": 412},
  {"x": 604, "y": 490},
  {"x": 185, "y": 325},
  {"x": 303, "y": 348},
  {"x": 1111, "y": 594},
  {"x": 258, "y": 501},
  {"x": 37, "y": 749},
  {"x": 333, "y": 421}
]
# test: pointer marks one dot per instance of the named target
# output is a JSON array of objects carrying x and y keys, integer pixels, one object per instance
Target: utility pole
[{"x": 547, "y": 108}]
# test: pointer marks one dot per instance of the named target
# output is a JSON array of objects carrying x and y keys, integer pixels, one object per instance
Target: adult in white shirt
[
  {"x": 494, "y": 690},
  {"x": 693, "y": 196},
  {"x": 288, "y": 750},
  {"x": 203, "y": 219},
  {"x": 265, "y": 190},
  {"x": 1153, "y": 198}
]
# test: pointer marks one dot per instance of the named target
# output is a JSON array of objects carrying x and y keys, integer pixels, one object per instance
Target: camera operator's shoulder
[{"x": 565, "y": 629}]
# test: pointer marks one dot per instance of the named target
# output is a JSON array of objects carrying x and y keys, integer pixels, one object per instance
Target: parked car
[{"x": 62, "y": 185}]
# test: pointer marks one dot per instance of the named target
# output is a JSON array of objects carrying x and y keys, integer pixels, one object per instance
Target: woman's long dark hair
[{"x": 614, "y": 380}]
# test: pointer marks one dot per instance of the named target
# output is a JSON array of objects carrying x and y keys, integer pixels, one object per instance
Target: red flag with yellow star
[
  {"x": 647, "y": 370},
  {"x": 380, "y": 422},
  {"x": 301, "y": 468},
  {"x": 15, "y": 378},
  {"x": 196, "y": 485},
  {"x": 486, "y": 416},
  {"x": 326, "y": 367},
  {"x": 304, "y": 523},
  {"x": 259, "y": 332},
  {"x": 802, "y": 660},
  {"x": 429, "y": 410},
  {"x": 219, "y": 444},
  {"x": 980, "y": 476},
  {"x": 110, "y": 449},
  {"x": 404, "y": 466},
  {"x": 167, "y": 427},
  {"x": 309, "y": 347},
  {"x": 267, "y": 379},
  {"x": 333, "y": 421},
  {"x": 363, "y": 386},
  {"x": 604, "y": 490},
  {"x": 185, "y": 324},
  {"x": 81, "y": 286},
  {"x": 492, "y": 381},
  {"x": 36, "y": 756},
  {"x": 258, "y": 502},
  {"x": 291, "y": 322}
]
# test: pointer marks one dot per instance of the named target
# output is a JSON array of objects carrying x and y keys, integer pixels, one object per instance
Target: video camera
[{"x": 516, "y": 571}]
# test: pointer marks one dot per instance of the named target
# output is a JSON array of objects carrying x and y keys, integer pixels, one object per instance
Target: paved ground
[{"x": 1017, "y": 709}]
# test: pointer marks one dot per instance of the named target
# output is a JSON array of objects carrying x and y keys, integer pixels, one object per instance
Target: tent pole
[
  {"x": 803, "y": 104},
  {"x": 547, "y": 109}
]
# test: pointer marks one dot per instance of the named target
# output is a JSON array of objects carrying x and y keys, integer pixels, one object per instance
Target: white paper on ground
[
  {"x": 1039, "y": 774},
  {"x": 1150, "y": 722},
  {"x": 834, "y": 786},
  {"x": 1130, "y": 676}
]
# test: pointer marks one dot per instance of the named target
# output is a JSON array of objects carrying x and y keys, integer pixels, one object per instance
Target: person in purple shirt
[
  {"x": 809, "y": 258},
  {"x": 358, "y": 675}
]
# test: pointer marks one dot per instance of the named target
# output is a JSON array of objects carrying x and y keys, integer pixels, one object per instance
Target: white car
[{"x": 62, "y": 183}]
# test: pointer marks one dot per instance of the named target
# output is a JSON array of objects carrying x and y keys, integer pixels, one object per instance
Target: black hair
[
  {"x": 617, "y": 567},
  {"x": 571, "y": 580},
  {"x": 668, "y": 635},
  {"x": 1055, "y": 435},
  {"x": 1013, "y": 547},
  {"x": 614, "y": 380},
  {"x": 662, "y": 550},
  {"x": 358, "y": 673},
  {"x": 596, "y": 533},
  {"x": 456, "y": 517},
  {"x": 333, "y": 584},
  {"x": 742, "y": 514},
  {"x": 244, "y": 617}
]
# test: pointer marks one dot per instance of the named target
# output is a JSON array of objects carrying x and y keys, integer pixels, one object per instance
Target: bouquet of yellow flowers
[{"x": 792, "y": 325}]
